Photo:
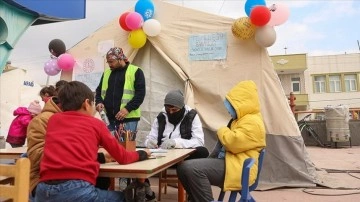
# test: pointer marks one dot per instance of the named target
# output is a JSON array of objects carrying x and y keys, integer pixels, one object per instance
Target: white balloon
[
  {"x": 152, "y": 27},
  {"x": 265, "y": 36}
]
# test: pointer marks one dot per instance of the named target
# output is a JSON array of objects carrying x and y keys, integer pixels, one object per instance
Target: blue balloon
[
  {"x": 249, "y": 4},
  {"x": 145, "y": 8}
]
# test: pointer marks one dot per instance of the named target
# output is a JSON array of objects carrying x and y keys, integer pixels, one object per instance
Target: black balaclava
[{"x": 176, "y": 117}]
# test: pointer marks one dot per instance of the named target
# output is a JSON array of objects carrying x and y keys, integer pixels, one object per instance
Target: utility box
[{"x": 337, "y": 123}]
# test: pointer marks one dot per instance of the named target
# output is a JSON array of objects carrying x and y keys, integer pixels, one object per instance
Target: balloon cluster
[
  {"x": 140, "y": 23},
  {"x": 260, "y": 22},
  {"x": 59, "y": 60}
]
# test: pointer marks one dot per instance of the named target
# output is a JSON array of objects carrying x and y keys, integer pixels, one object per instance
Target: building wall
[
  {"x": 329, "y": 64},
  {"x": 286, "y": 82}
]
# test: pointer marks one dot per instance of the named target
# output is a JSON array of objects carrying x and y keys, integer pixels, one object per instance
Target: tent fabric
[
  {"x": 17, "y": 89},
  {"x": 166, "y": 65}
]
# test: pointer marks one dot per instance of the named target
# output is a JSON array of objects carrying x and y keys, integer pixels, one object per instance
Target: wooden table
[
  {"x": 148, "y": 168},
  {"x": 141, "y": 169},
  {"x": 12, "y": 153}
]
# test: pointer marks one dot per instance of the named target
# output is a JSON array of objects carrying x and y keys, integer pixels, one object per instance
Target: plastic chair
[
  {"x": 246, "y": 189},
  {"x": 19, "y": 190}
]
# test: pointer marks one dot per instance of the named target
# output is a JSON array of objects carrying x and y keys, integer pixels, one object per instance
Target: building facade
[{"x": 320, "y": 81}]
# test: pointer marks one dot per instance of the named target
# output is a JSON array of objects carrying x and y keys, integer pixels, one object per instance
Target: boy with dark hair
[
  {"x": 36, "y": 132},
  {"x": 69, "y": 165}
]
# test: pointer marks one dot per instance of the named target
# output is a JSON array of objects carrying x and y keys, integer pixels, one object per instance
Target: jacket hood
[
  {"x": 244, "y": 98},
  {"x": 21, "y": 111}
]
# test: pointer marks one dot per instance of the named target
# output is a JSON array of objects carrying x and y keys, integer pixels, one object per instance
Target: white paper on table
[{"x": 158, "y": 150}]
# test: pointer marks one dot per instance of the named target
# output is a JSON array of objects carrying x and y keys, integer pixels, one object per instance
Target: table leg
[
  {"x": 181, "y": 192},
  {"x": 112, "y": 184}
]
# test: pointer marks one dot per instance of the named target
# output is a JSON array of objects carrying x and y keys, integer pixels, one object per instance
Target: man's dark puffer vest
[{"x": 185, "y": 125}]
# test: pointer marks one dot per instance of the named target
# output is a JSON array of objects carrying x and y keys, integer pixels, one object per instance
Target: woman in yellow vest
[{"x": 121, "y": 91}]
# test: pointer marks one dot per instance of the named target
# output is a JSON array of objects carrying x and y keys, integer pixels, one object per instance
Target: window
[
  {"x": 319, "y": 86},
  {"x": 334, "y": 83},
  {"x": 295, "y": 85},
  {"x": 350, "y": 83}
]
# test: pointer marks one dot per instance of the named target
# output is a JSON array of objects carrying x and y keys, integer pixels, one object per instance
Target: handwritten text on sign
[{"x": 208, "y": 46}]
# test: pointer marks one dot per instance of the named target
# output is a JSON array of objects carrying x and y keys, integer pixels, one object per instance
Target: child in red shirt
[{"x": 69, "y": 166}]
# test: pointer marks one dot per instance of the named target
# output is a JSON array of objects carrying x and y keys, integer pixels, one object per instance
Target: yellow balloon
[
  {"x": 137, "y": 38},
  {"x": 242, "y": 28}
]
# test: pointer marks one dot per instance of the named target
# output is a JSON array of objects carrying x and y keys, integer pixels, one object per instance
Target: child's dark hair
[
  {"x": 73, "y": 94},
  {"x": 59, "y": 85},
  {"x": 50, "y": 90}
]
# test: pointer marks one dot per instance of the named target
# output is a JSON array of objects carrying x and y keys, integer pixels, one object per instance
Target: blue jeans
[{"x": 75, "y": 190}]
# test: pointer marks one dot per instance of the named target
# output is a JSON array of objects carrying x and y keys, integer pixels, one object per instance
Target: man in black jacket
[{"x": 121, "y": 91}]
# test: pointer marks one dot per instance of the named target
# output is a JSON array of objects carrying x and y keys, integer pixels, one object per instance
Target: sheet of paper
[{"x": 158, "y": 150}]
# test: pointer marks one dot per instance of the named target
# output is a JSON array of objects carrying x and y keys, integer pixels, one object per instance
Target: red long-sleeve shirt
[{"x": 71, "y": 145}]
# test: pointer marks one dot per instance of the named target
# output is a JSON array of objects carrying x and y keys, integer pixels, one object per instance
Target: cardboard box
[{"x": 129, "y": 145}]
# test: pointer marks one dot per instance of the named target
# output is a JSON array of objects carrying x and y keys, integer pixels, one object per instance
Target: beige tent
[
  {"x": 17, "y": 89},
  {"x": 166, "y": 64}
]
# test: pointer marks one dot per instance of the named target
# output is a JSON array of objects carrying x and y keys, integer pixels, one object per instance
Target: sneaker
[
  {"x": 140, "y": 195},
  {"x": 150, "y": 195},
  {"x": 129, "y": 192},
  {"x": 151, "y": 198},
  {"x": 123, "y": 183}
]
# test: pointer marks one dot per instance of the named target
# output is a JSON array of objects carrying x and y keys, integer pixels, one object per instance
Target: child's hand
[
  {"x": 108, "y": 158},
  {"x": 147, "y": 152}
]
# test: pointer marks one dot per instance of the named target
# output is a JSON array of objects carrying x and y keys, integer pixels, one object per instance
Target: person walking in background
[
  {"x": 121, "y": 91},
  {"x": 244, "y": 137},
  {"x": 47, "y": 92},
  {"x": 177, "y": 126},
  {"x": 17, "y": 131},
  {"x": 68, "y": 167}
]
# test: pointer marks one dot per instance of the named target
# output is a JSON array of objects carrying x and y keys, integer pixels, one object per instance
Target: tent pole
[{"x": 47, "y": 80}]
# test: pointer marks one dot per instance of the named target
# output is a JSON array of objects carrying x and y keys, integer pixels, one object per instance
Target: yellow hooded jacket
[{"x": 246, "y": 136}]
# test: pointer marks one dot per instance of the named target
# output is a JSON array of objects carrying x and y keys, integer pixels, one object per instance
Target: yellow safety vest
[{"x": 128, "y": 91}]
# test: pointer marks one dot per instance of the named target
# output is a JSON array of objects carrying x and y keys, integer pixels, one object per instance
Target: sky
[{"x": 314, "y": 27}]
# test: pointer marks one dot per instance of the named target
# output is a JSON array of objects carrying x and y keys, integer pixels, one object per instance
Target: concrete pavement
[{"x": 338, "y": 169}]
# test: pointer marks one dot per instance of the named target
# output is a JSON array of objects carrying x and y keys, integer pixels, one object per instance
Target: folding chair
[{"x": 246, "y": 189}]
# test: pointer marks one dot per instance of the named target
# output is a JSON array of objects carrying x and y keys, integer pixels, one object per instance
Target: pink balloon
[
  {"x": 134, "y": 20},
  {"x": 51, "y": 67},
  {"x": 66, "y": 62},
  {"x": 279, "y": 14}
]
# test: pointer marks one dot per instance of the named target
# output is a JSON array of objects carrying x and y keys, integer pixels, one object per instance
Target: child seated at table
[{"x": 69, "y": 166}]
